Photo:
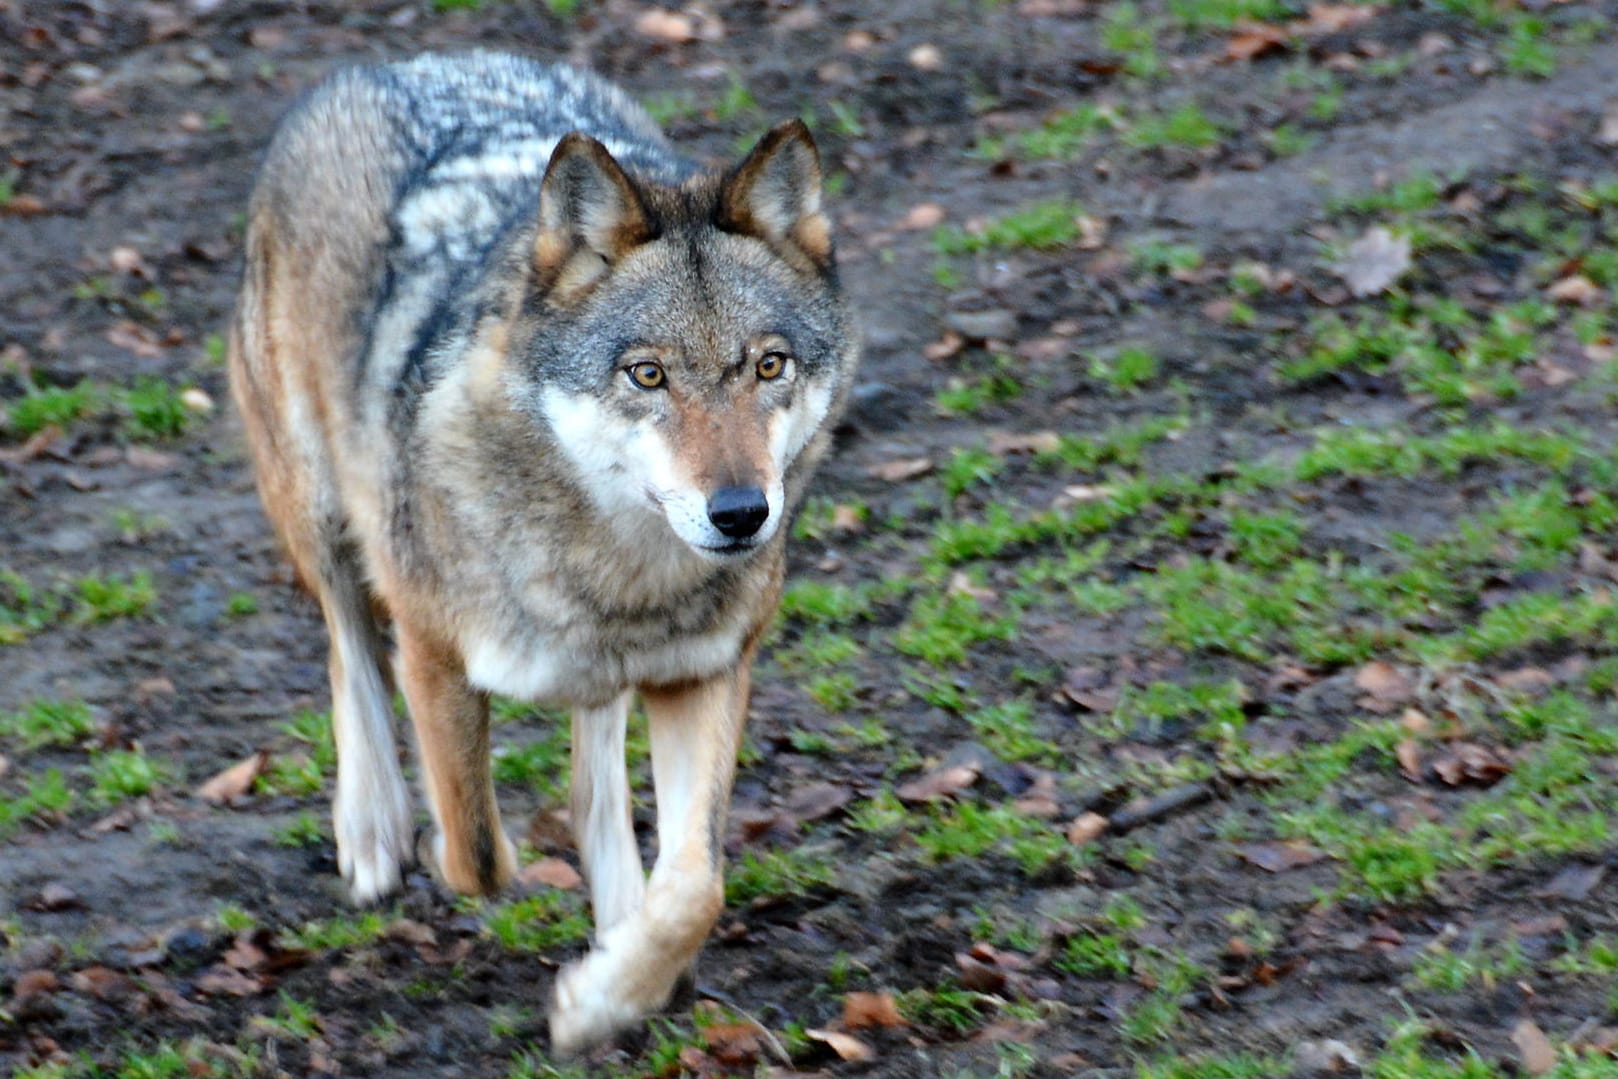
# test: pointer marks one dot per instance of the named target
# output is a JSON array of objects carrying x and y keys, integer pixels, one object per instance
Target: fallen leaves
[
  {"x": 1086, "y": 828},
  {"x": 902, "y": 469},
  {"x": 1254, "y": 39},
  {"x": 550, "y": 873},
  {"x": 846, "y": 1046},
  {"x": 940, "y": 783},
  {"x": 1386, "y": 688},
  {"x": 1538, "y": 1055},
  {"x": 863, "y": 1010},
  {"x": 1280, "y": 857},
  {"x": 1374, "y": 262},
  {"x": 236, "y": 781}
]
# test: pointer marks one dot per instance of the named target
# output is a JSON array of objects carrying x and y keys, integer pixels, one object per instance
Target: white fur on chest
[{"x": 561, "y": 670}]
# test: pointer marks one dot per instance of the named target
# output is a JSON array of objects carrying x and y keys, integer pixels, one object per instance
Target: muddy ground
[{"x": 1341, "y": 841}]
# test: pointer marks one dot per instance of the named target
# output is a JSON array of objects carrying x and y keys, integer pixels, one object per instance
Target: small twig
[
  {"x": 771, "y": 1042},
  {"x": 1155, "y": 809}
]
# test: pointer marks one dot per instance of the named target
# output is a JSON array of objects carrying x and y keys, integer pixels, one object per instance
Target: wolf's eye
[
  {"x": 647, "y": 375},
  {"x": 772, "y": 365}
]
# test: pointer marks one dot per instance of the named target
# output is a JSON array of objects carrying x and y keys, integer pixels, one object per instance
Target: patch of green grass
[
  {"x": 47, "y": 795},
  {"x": 823, "y": 603},
  {"x": 941, "y": 629},
  {"x": 1186, "y": 126},
  {"x": 1095, "y": 955},
  {"x": 544, "y": 764},
  {"x": 1234, "y": 1066},
  {"x": 970, "y": 396},
  {"x": 241, "y": 604},
  {"x": 49, "y": 723},
  {"x": 1126, "y": 31},
  {"x": 1009, "y": 731},
  {"x": 1526, "y": 51},
  {"x": 786, "y": 873},
  {"x": 304, "y": 830},
  {"x": 881, "y": 814},
  {"x": 947, "y": 1009},
  {"x": 164, "y": 1061},
  {"x": 121, "y": 774},
  {"x": 1126, "y": 370},
  {"x": 1059, "y": 137},
  {"x": 24, "y": 609},
  {"x": 1041, "y": 226},
  {"x": 303, "y": 772},
  {"x": 233, "y": 919},
  {"x": 968, "y": 467},
  {"x": 1222, "y": 14},
  {"x": 155, "y": 410},
  {"x": 1446, "y": 970},
  {"x": 970, "y": 830},
  {"x": 294, "y": 1019},
  {"x": 42, "y": 407},
  {"x": 1160, "y": 257},
  {"x": 101, "y": 599},
  {"x": 1214, "y": 707},
  {"x": 538, "y": 923},
  {"x": 356, "y": 929}
]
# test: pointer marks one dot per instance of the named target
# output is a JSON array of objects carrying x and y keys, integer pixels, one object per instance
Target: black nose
[{"x": 738, "y": 511}]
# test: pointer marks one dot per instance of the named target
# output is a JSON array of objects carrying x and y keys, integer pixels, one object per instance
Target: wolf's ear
[
  {"x": 590, "y": 215},
  {"x": 774, "y": 194}
]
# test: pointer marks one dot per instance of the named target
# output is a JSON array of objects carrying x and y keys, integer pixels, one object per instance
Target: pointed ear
[
  {"x": 590, "y": 215},
  {"x": 774, "y": 194}
]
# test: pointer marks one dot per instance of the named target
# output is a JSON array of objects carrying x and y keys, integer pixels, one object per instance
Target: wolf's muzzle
[{"x": 738, "y": 512}]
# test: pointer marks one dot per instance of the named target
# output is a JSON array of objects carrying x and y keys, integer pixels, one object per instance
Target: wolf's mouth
[{"x": 730, "y": 549}]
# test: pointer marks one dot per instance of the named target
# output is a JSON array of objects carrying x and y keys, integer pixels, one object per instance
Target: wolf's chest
[{"x": 592, "y": 665}]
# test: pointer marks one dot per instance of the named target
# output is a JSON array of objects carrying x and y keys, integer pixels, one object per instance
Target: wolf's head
[{"x": 687, "y": 345}]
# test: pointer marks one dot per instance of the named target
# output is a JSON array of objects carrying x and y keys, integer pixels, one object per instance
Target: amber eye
[
  {"x": 647, "y": 375},
  {"x": 772, "y": 365}
]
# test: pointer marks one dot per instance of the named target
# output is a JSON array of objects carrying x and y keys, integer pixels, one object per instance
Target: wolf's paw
[
  {"x": 375, "y": 840},
  {"x": 463, "y": 874},
  {"x": 585, "y": 1012}
]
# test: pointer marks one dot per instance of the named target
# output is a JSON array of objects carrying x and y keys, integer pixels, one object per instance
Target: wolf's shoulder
[{"x": 460, "y": 107}]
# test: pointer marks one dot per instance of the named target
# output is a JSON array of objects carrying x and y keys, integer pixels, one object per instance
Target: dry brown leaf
[
  {"x": 1575, "y": 289},
  {"x": 945, "y": 347},
  {"x": 1255, "y": 40},
  {"x": 941, "y": 783},
  {"x": 732, "y": 1044},
  {"x": 1469, "y": 764},
  {"x": 845, "y": 1046},
  {"x": 1086, "y": 828},
  {"x": 1002, "y": 443},
  {"x": 904, "y": 468},
  {"x": 23, "y": 206},
  {"x": 1538, "y": 1054},
  {"x": 846, "y": 519},
  {"x": 1385, "y": 686},
  {"x": 1408, "y": 755},
  {"x": 671, "y": 26},
  {"x": 922, "y": 216},
  {"x": 230, "y": 982},
  {"x": 5, "y": 765},
  {"x": 141, "y": 340},
  {"x": 197, "y": 400},
  {"x": 35, "y": 446},
  {"x": 1280, "y": 857},
  {"x": 1374, "y": 261},
  {"x": 818, "y": 800},
  {"x": 551, "y": 873},
  {"x": 409, "y": 931},
  {"x": 1335, "y": 18},
  {"x": 862, "y": 1010},
  {"x": 234, "y": 782}
]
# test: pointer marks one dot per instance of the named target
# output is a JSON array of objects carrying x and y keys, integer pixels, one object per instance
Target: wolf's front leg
[
  {"x": 603, "y": 829},
  {"x": 452, "y": 732},
  {"x": 695, "y": 732}
]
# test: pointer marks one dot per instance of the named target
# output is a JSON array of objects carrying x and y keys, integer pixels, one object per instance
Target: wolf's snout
[{"x": 738, "y": 512}]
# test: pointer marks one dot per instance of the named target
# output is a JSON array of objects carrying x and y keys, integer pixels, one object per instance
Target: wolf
[{"x": 530, "y": 397}]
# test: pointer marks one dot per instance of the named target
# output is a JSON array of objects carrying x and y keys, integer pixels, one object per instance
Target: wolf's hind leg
[
  {"x": 452, "y": 732},
  {"x": 371, "y": 813},
  {"x": 696, "y": 729},
  {"x": 603, "y": 829}
]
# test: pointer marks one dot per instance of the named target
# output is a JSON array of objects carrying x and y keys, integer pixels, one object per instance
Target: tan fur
[{"x": 526, "y": 518}]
